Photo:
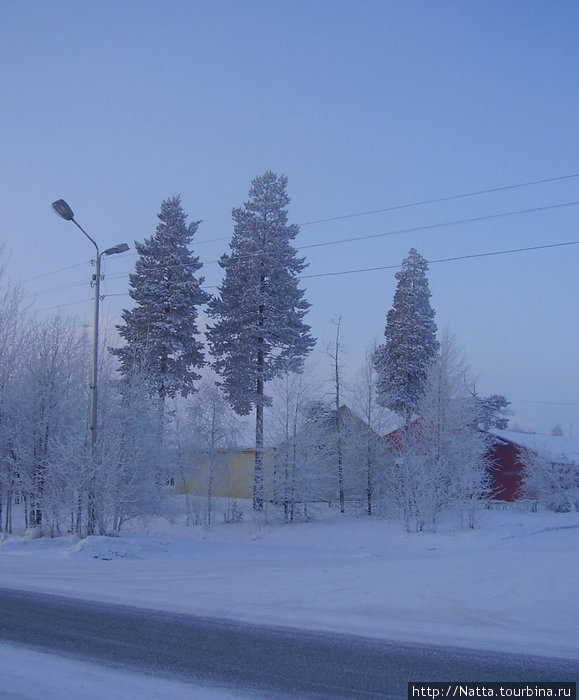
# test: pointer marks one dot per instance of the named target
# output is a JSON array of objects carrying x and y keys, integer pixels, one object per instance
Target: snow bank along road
[{"x": 251, "y": 657}]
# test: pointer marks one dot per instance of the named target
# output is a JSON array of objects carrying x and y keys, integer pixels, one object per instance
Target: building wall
[
  {"x": 506, "y": 471},
  {"x": 232, "y": 473}
]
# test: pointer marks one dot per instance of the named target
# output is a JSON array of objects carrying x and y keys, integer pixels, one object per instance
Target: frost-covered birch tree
[
  {"x": 161, "y": 333},
  {"x": 305, "y": 462},
  {"x": 10, "y": 354},
  {"x": 402, "y": 363},
  {"x": 299, "y": 475},
  {"x": 259, "y": 330},
  {"x": 551, "y": 479},
  {"x": 444, "y": 463},
  {"x": 202, "y": 429},
  {"x": 379, "y": 420},
  {"x": 131, "y": 463},
  {"x": 334, "y": 352},
  {"x": 48, "y": 404}
]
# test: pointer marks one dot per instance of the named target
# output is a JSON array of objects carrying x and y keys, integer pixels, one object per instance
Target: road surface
[{"x": 279, "y": 662}]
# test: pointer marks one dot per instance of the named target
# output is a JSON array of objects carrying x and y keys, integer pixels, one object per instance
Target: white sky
[{"x": 117, "y": 106}]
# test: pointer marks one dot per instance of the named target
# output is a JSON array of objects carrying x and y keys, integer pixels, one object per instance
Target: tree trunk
[
  {"x": 370, "y": 470},
  {"x": 258, "y": 472},
  {"x": 8, "y": 516},
  {"x": 339, "y": 420},
  {"x": 78, "y": 522},
  {"x": 258, "y": 475}
]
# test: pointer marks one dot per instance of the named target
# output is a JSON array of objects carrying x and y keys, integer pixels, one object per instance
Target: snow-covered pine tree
[
  {"x": 259, "y": 331},
  {"x": 161, "y": 331},
  {"x": 493, "y": 411},
  {"x": 402, "y": 363}
]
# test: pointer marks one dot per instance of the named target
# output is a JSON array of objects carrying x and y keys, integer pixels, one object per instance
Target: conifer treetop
[
  {"x": 403, "y": 362},
  {"x": 260, "y": 308},
  {"x": 161, "y": 331}
]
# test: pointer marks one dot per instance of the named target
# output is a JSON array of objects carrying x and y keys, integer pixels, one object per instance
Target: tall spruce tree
[
  {"x": 259, "y": 331},
  {"x": 402, "y": 363},
  {"x": 161, "y": 331}
]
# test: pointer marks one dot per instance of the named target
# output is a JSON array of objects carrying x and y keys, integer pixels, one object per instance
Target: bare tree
[
  {"x": 212, "y": 426},
  {"x": 10, "y": 334},
  {"x": 334, "y": 352},
  {"x": 444, "y": 460},
  {"x": 297, "y": 474},
  {"x": 379, "y": 421},
  {"x": 550, "y": 479},
  {"x": 48, "y": 402}
]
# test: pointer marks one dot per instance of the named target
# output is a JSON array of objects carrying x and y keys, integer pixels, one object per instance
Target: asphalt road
[{"x": 273, "y": 662}]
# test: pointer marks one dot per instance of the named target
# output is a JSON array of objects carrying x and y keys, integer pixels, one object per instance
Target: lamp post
[{"x": 64, "y": 211}]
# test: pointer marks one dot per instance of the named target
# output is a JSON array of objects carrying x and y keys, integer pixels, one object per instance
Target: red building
[
  {"x": 506, "y": 470},
  {"x": 508, "y": 449},
  {"x": 505, "y": 456}
]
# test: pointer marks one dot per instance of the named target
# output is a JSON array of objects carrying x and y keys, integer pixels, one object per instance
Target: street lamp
[{"x": 65, "y": 212}]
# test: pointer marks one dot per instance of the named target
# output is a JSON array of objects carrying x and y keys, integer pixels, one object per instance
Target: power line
[
  {"x": 374, "y": 211},
  {"x": 429, "y": 227},
  {"x": 70, "y": 285},
  {"x": 60, "y": 306},
  {"x": 544, "y": 403},
  {"x": 376, "y": 269},
  {"x": 440, "y": 260},
  {"x": 418, "y": 203},
  {"x": 387, "y": 267},
  {"x": 506, "y": 252},
  {"x": 440, "y": 199},
  {"x": 414, "y": 229},
  {"x": 353, "y": 239},
  {"x": 50, "y": 290},
  {"x": 55, "y": 272}
]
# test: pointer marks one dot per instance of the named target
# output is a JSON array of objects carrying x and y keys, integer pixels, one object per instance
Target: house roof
[
  {"x": 351, "y": 422},
  {"x": 554, "y": 448},
  {"x": 395, "y": 437}
]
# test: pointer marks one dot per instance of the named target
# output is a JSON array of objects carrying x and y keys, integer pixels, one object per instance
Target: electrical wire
[
  {"x": 444, "y": 224},
  {"x": 363, "y": 237},
  {"x": 60, "y": 306},
  {"x": 396, "y": 207},
  {"x": 440, "y": 199},
  {"x": 414, "y": 229},
  {"x": 441, "y": 260},
  {"x": 55, "y": 272},
  {"x": 419, "y": 203},
  {"x": 544, "y": 403},
  {"x": 338, "y": 273}
]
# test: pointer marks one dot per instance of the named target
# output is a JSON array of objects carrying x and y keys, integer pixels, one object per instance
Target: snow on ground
[
  {"x": 29, "y": 675},
  {"x": 510, "y": 584}
]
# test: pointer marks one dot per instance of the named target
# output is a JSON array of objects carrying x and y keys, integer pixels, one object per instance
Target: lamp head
[
  {"x": 119, "y": 248},
  {"x": 63, "y": 210}
]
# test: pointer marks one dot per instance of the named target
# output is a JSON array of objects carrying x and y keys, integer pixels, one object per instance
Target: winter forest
[{"x": 193, "y": 375}]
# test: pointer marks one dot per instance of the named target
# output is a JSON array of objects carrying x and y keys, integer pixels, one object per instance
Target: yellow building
[{"x": 229, "y": 471}]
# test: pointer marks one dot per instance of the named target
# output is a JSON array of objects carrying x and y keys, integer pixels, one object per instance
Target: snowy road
[{"x": 251, "y": 657}]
